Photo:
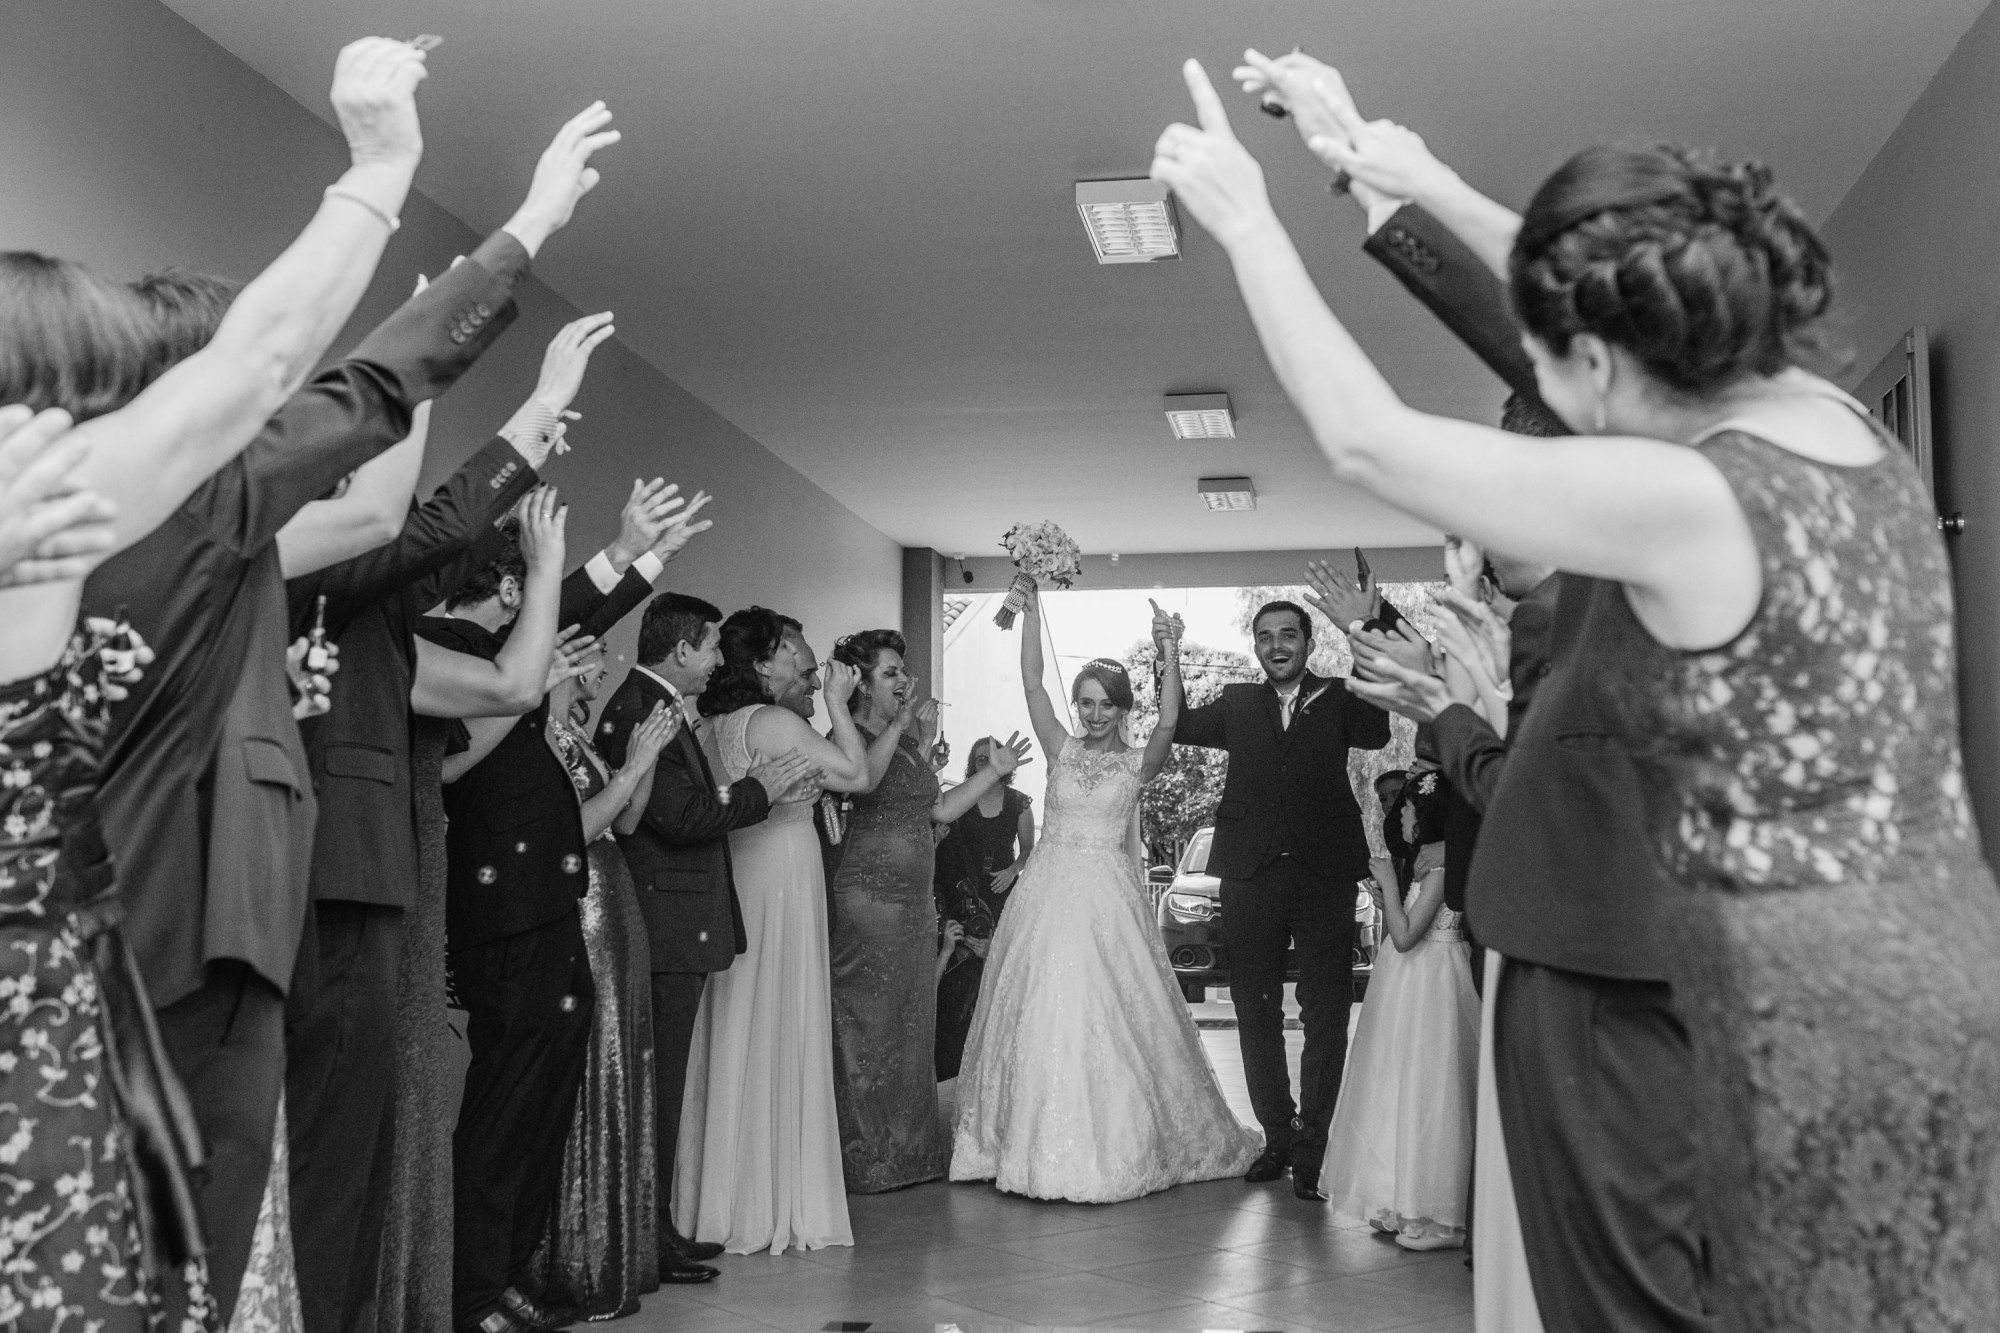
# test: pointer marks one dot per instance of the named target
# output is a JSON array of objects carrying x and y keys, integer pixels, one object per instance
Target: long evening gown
[
  {"x": 885, "y": 933},
  {"x": 1084, "y": 1077},
  {"x": 759, "y": 1162},
  {"x": 96, "y": 1136},
  {"x": 268, "y": 1299},
  {"x": 414, "y": 1289},
  {"x": 1837, "y": 937},
  {"x": 967, "y": 859},
  {"x": 601, "y": 1250},
  {"x": 1399, "y": 1150}
]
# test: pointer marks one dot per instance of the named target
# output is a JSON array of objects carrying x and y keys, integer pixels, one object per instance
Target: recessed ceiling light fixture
[
  {"x": 1201, "y": 416},
  {"x": 1130, "y": 222},
  {"x": 1227, "y": 493}
]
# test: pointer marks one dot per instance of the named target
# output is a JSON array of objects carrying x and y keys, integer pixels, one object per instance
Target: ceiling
[{"x": 848, "y": 226}]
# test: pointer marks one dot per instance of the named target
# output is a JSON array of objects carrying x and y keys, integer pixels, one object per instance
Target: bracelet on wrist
[{"x": 383, "y": 215}]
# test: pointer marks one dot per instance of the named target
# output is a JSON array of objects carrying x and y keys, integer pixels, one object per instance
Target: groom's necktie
[{"x": 1285, "y": 702}]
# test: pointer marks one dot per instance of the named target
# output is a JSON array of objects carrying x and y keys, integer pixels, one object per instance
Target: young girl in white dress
[
  {"x": 1399, "y": 1152},
  {"x": 1083, "y": 1077}
]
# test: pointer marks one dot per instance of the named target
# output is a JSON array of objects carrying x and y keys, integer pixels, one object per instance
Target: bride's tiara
[{"x": 1106, "y": 664}]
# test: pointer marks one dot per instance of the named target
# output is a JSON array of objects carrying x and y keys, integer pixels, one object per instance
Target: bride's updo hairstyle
[
  {"x": 1112, "y": 676},
  {"x": 1701, "y": 269}
]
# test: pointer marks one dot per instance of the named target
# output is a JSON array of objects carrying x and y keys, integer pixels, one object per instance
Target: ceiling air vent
[
  {"x": 1227, "y": 493},
  {"x": 1130, "y": 222},
  {"x": 1201, "y": 416}
]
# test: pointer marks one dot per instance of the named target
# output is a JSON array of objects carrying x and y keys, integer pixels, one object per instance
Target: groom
[{"x": 1288, "y": 849}]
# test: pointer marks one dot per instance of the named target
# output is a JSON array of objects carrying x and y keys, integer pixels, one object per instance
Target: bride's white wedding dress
[{"x": 1084, "y": 1077}]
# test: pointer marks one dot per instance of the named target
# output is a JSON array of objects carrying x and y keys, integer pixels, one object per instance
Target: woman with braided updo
[{"x": 1765, "y": 627}]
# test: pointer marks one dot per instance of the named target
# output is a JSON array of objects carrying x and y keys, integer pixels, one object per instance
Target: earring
[{"x": 1600, "y": 421}]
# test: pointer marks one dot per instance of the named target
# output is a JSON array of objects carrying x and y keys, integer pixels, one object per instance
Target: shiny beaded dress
[{"x": 1084, "y": 1077}]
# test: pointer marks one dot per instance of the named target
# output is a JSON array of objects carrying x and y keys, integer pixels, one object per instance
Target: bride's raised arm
[
  {"x": 1049, "y": 727},
  {"x": 1160, "y": 745}
]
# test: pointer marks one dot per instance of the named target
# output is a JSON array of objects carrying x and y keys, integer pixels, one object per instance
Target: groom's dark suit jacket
[
  {"x": 1287, "y": 789},
  {"x": 1564, "y": 873},
  {"x": 679, "y": 855}
]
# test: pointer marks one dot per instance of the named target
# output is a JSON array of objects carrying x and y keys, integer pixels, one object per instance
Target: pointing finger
[{"x": 1207, "y": 106}]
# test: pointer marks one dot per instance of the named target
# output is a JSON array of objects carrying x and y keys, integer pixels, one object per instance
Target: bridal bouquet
[{"x": 1043, "y": 553}]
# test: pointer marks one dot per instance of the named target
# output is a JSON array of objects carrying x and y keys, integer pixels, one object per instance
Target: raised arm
[
  {"x": 449, "y": 684},
  {"x": 1160, "y": 745},
  {"x": 1050, "y": 730},
  {"x": 1007, "y": 756},
  {"x": 149, "y": 456},
  {"x": 368, "y": 514},
  {"x": 1656, "y": 516},
  {"x": 842, "y": 757}
]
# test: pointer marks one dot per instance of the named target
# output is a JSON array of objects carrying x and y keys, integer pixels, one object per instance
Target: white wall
[{"x": 132, "y": 142}]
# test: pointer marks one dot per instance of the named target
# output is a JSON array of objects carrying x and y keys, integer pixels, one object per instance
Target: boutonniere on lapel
[{"x": 1307, "y": 702}]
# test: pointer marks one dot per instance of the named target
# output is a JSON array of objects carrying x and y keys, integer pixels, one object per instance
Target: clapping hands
[
  {"x": 651, "y": 736},
  {"x": 575, "y": 653},
  {"x": 1339, "y": 598}
]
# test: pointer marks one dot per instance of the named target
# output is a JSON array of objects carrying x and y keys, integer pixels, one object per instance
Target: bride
[{"x": 1084, "y": 1078}]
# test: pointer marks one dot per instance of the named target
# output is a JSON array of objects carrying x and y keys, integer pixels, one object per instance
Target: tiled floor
[{"x": 1223, "y": 1255}]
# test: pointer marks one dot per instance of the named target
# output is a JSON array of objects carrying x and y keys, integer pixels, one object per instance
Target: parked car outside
[{"x": 1190, "y": 917}]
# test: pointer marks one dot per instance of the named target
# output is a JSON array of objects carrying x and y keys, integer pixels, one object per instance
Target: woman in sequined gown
[
  {"x": 885, "y": 933},
  {"x": 601, "y": 1250},
  {"x": 759, "y": 1165},
  {"x": 1084, "y": 1077},
  {"x": 1775, "y": 643}
]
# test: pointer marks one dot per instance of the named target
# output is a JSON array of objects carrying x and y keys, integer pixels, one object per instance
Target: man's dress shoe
[
  {"x": 501, "y": 1320},
  {"x": 689, "y": 1251},
  {"x": 676, "y": 1270},
  {"x": 533, "y": 1313},
  {"x": 1270, "y": 1165},
  {"x": 1305, "y": 1183}
]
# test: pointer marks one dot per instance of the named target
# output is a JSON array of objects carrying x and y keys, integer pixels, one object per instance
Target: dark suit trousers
[
  {"x": 1281, "y": 907},
  {"x": 340, "y": 1081},
  {"x": 528, "y": 1000},
  {"x": 227, "y": 1042},
  {"x": 1592, "y": 1076},
  {"x": 676, "y": 1001}
]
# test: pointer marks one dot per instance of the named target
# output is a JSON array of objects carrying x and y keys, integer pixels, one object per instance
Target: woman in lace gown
[
  {"x": 601, "y": 1250},
  {"x": 1778, "y": 646},
  {"x": 885, "y": 932},
  {"x": 1084, "y": 1077},
  {"x": 759, "y": 1162}
]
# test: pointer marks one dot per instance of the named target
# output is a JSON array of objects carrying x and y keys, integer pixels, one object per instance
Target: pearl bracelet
[{"x": 388, "y": 220}]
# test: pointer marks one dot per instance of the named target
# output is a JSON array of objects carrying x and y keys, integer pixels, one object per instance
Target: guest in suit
[
  {"x": 1289, "y": 848},
  {"x": 1605, "y": 1182},
  {"x": 340, "y": 1020},
  {"x": 679, "y": 857},
  {"x": 206, "y": 590},
  {"x": 516, "y": 868}
]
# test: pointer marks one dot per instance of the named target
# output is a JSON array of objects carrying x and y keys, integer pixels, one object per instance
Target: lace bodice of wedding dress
[{"x": 1084, "y": 1077}]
